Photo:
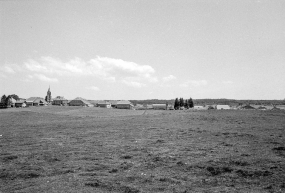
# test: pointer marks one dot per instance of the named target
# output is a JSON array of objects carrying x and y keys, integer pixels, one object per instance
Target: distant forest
[{"x": 231, "y": 102}]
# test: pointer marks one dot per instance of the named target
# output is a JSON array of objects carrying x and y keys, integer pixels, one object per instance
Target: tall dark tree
[
  {"x": 3, "y": 101},
  {"x": 3, "y": 98},
  {"x": 190, "y": 103},
  {"x": 181, "y": 102},
  {"x": 176, "y": 104},
  {"x": 186, "y": 105},
  {"x": 8, "y": 101}
]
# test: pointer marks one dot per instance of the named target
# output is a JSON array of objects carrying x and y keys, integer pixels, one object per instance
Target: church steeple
[{"x": 48, "y": 97}]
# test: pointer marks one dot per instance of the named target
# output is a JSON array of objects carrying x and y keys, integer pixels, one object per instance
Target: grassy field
[{"x": 75, "y": 149}]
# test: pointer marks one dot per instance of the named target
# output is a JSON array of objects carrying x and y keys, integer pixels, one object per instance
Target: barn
[
  {"x": 104, "y": 104},
  {"x": 80, "y": 102},
  {"x": 199, "y": 107},
  {"x": 20, "y": 103},
  {"x": 124, "y": 105},
  {"x": 223, "y": 107},
  {"x": 36, "y": 101},
  {"x": 246, "y": 107},
  {"x": 60, "y": 100},
  {"x": 159, "y": 106}
]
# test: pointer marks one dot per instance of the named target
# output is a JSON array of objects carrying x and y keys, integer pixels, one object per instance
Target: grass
[{"x": 75, "y": 149}]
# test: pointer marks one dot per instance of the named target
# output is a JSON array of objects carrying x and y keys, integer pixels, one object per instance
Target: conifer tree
[
  {"x": 176, "y": 104},
  {"x": 181, "y": 102},
  {"x": 190, "y": 103},
  {"x": 3, "y": 99},
  {"x": 186, "y": 105}
]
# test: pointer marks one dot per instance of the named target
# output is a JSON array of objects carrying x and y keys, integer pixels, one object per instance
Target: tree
[
  {"x": 186, "y": 105},
  {"x": 3, "y": 101},
  {"x": 190, "y": 103},
  {"x": 181, "y": 102},
  {"x": 8, "y": 101},
  {"x": 14, "y": 96},
  {"x": 176, "y": 104}
]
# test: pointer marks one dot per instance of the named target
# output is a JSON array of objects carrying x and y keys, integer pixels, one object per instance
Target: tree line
[{"x": 181, "y": 103}]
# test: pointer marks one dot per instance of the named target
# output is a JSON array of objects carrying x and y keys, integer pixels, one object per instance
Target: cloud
[
  {"x": 194, "y": 83},
  {"x": 133, "y": 84},
  {"x": 168, "y": 78},
  {"x": 95, "y": 88},
  {"x": 9, "y": 70},
  {"x": 43, "y": 78},
  {"x": 104, "y": 68}
]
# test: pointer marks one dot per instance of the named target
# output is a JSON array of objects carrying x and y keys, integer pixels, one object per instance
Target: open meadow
[{"x": 76, "y": 149}]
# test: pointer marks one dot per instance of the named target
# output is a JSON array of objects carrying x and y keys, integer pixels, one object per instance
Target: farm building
[
  {"x": 170, "y": 107},
  {"x": 246, "y": 107},
  {"x": 113, "y": 104},
  {"x": 223, "y": 107},
  {"x": 282, "y": 107},
  {"x": 200, "y": 108},
  {"x": 36, "y": 101},
  {"x": 80, "y": 102},
  {"x": 124, "y": 105},
  {"x": 149, "y": 106},
  {"x": 20, "y": 103},
  {"x": 210, "y": 107},
  {"x": 94, "y": 102},
  {"x": 159, "y": 106},
  {"x": 60, "y": 100},
  {"x": 104, "y": 104}
]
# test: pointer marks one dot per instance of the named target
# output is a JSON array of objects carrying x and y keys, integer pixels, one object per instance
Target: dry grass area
[{"x": 72, "y": 149}]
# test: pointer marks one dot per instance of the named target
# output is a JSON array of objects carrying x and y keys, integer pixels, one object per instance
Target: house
[
  {"x": 11, "y": 102},
  {"x": 149, "y": 107},
  {"x": 223, "y": 107},
  {"x": 59, "y": 100},
  {"x": 170, "y": 107},
  {"x": 262, "y": 108},
  {"x": 113, "y": 103},
  {"x": 20, "y": 103},
  {"x": 159, "y": 106},
  {"x": 209, "y": 107},
  {"x": 94, "y": 102},
  {"x": 124, "y": 105},
  {"x": 246, "y": 107},
  {"x": 104, "y": 104},
  {"x": 80, "y": 102},
  {"x": 200, "y": 108},
  {"x": 282, "y": 107},
  {"x": 36, "y": 101}
]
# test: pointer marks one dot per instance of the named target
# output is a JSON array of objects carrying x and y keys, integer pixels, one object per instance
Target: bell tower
[{"x": 48, "y": 97}]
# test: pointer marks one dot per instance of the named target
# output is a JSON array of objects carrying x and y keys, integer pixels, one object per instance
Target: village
[{"x": 10, "y": 102}]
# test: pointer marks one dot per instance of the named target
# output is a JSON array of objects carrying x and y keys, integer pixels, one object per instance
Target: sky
[{"x": 143, "y": 49}]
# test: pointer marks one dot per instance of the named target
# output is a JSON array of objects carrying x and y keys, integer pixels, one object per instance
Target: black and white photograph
[{"x": 142, "y": 96}]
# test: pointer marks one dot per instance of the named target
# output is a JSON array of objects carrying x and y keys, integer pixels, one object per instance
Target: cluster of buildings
[
  {"x": 61, "y": 101},
  {"x": 240, "y": 107}
]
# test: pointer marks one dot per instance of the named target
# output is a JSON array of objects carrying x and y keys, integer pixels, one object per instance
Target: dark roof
[
  {"x": 20, "y": 101},
  {"x": 32, "y": 99}
]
